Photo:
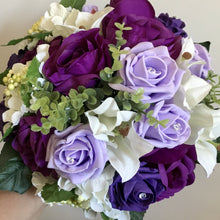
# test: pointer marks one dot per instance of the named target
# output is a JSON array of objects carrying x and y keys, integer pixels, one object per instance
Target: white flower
[
  {"x": 16, "y": 109},
  {"x": 65, "y": 184},
  {"x": 95, "y": 194},
  {"x": 65, "y": 21},
  {"x": 123, "y": 152},
  {"x": 39, "y": 181},
  {"x": 205, "y": 127}
]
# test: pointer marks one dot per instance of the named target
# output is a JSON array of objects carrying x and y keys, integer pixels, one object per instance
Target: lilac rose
[
  {"x": 200, "y": 69},
  {"x": 77, "y": 60},
  {"x": 75, "y": 154},
  {"x": 176, "y": 131},
  {"x": 137, "y": 193},
  {"x": 176, "y": 167},
  {"x": 32, "y": 145},
  {"x": 151, "y": 68},
  {"x": 145, "y": 27}
]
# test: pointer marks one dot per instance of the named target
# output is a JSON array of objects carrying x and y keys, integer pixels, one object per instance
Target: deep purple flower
[
  {"x": 77, "y": 60},
  {"x": 32, "y": 145},
  {"x": 137, "y": 193},
  {"x": 176, "y": 131},
  {"x": 137, "y": 7},
  {"x": 201, "y": 62},
  {"x": 75, "y": 154},
  {"x": 176, "y": 167},
  {"x": 172, "y": 23},
  {"x": 23, "y": 55},
  {"x": 151, "y": 68},
  {"x": 144, "y": 29}
]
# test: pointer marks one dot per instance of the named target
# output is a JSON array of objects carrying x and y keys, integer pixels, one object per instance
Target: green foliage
[
  {"x": 2, "y": 75},
  {"x": 78, "y": 4},
  {"x": 104, "y": 217},
  {"x": 213, "y": 98},
  {"x": 14, "y": 175},
  {"x": 7, "y": 133},
  {"x": 39, "y": 36},
  {"x": 63, "y": 111},
  {"x": 132, "y": 102},
  {"x": 206, "y": 44},
  {"x": 108, "y": 74},
  {"x": 33, "y": 72},
  {"x": 137, "y": 215},
  {"x": 52, "y": 193}
]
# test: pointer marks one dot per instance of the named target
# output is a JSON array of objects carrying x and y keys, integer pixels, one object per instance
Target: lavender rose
[
  {"x": 77, "y": 60},
  {"x": 172, "y": 23},
  {"x": 176, "y": 167},
  {"x": 32, "y": 145},
  {"x": 145, "y": 27},
  {"x": 75, "y": 154},
  {"x": 200, "y": 69},
  {"x": 137, "y": 193},
  {"x": 176, "y": 132},
  {"x": 152, "y": 69}
]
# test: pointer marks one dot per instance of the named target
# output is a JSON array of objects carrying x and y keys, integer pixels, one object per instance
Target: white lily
[
  {"x": 124, "y": 152},
  {"x": 205, "y": 127},
  {"x": 94, "y": 192},
  {"x": 65, "y": 21}
]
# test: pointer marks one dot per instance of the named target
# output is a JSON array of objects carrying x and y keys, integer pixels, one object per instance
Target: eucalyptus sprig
[
  {"x": 107, "y": 74},
  {"x": 213, "y": 98}
]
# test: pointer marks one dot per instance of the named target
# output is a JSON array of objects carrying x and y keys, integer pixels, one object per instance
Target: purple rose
[
  {"x": 77, "y": 60},
  {"x": 23, "y": 55},
  {"x": 144, "y": 29},
  {"x": 176, "y": 167},
  {"x": 176, "y": 131},
  {"x": 174, "y": 24},
  {"x": 137, "y": 7},
  {"x": 137, "y": 193},
  {"x": 75, "y": 154},
  {"x": 200, "y": 69},
  {"x": 32, "y": 145},
  {"x": 152, "y": 69}
]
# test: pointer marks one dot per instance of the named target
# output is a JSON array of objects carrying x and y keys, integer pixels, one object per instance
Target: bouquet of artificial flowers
[{"x": 109, "y": 110}]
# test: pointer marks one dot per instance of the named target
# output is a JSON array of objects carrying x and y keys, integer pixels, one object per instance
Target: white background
[{"x": 201, "y": 201}]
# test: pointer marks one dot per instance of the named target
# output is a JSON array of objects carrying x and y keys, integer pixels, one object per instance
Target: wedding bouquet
[{"x": 109, "y": 110}]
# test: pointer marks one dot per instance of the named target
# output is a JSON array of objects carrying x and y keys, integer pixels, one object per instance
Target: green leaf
[
  {"x": 39, "y": 36},
  {"x": 14, "y": 175},
  {"x": 52, "y": 193},
  {"x": 78, "y": 4},
  {"x": 206, "y": 44},
  {"x": 7, "y": 133},
  {"x": 218, "y": 156},
  {"x": 33, "y": 71},
  {"x": 116, "y": 80},
  {"x": 2, "y": 75},
  {"x": 137, "y": 215},
  {"x": 104, "y": 217}
]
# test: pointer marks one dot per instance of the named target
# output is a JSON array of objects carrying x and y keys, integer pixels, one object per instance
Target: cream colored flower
[{"x": 63, "y": 21}]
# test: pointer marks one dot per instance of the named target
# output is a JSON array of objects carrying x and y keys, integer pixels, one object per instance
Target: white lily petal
[
  {"x": 206, "y": 155},
  {"x": 196, "y": 89},
  {"x": 124, "y": 154},
  {"x": 15, "y": 102},
  {"x": 15, "y": 118},
  {"x": 201, "y": 117}
]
